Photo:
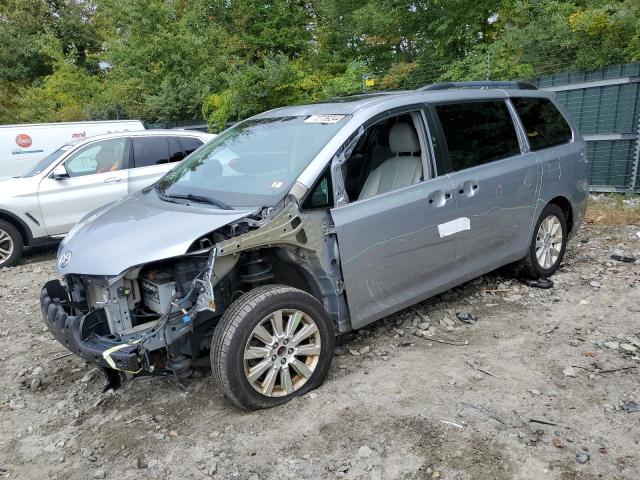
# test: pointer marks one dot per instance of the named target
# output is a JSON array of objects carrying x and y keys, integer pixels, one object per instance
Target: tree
[{"x": 167, "y": 60}]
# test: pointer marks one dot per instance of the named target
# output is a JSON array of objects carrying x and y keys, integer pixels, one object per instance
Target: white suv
[{"x": 42, "y": 205}]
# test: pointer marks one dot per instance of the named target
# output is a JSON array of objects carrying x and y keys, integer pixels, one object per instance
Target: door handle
[
  {"x": 113, "y": 180},
  {"x": 439, "y": 198},
  {"x": 468, "y": 188}
]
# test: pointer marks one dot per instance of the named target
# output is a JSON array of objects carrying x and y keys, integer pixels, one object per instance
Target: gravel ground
[{"x": 534, "y": 387}]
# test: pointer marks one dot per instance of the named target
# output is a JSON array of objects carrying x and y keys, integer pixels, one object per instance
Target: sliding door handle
[{"x": 439, "y": 198}]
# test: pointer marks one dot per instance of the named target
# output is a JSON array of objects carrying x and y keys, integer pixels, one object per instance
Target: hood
[{"x": 135, "y": 230}]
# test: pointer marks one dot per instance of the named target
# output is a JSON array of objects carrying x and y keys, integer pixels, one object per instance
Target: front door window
[{"x": 99, "y": 157}]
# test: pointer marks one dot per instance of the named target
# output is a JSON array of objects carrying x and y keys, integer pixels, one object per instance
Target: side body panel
[
  {"x": 19, "y": 203},
  {"x": 499, "y": 198},
  {"x": 391, "y": 248},
  {"x": 564, "y": 174},
  {"x": 64, "y": 202}
]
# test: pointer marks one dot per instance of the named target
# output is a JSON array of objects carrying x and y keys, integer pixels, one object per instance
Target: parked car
[
  {"x": 42, "y": 205},
  {"x": 309, "y": 221},
  {"x": 22, "y": 146}
]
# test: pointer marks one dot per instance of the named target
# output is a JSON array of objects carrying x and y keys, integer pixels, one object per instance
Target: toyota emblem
[{"x": 64, "y": 259}]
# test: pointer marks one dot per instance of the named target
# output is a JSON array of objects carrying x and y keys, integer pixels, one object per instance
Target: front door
[
  {"x": 395, "y": 248},
  {"x": 396, "y": 235},
  {"x": 95, "y": 178}
]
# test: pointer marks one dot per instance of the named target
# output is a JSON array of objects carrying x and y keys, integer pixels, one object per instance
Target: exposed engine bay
[{"x": 166, "y": 311}]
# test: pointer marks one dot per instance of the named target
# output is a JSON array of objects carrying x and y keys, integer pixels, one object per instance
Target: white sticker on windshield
[
  {"x": 277, "y": 184},
  {"x": 324, "y": 118},
  {"x": 454, "y": 226}
]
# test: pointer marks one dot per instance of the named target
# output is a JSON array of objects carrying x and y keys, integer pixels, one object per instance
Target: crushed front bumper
[{"x": 76, "y": 333}]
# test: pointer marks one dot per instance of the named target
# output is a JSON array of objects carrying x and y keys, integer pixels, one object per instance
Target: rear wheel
[
  {"x": 272, "y": 344},
  {"x": 11, "y": 244},
  {"x": 548, "y": 243}
]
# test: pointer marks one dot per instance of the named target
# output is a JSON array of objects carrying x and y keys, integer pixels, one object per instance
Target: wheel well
[
  {"x": 287, "y": 269},
  {"x": 289, "y": 272},
  {"x": 19, "y": 224},
  {"x": 566, "y": 208}
]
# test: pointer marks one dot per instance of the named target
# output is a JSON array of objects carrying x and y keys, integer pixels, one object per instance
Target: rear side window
[
  {"x": 544, "y": 124},
  {"x": 190, "y": 144},
  {"x": 150, "y": 151},
  {"x": 477, "y": 132},
  {"x": 176, "y": 152}
]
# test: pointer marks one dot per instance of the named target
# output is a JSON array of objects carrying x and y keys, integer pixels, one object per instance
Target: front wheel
[
  {"x": 273, "y": 343},
  {"x": 548, "y": 243},
  {"x": 11, "y": 244}
]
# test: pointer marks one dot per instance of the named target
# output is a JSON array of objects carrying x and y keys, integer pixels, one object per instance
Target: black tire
[
  {"x": 529, "y": 265},
  {"x": 235, "y": 328},
  {"x": 14, "y": 243}
]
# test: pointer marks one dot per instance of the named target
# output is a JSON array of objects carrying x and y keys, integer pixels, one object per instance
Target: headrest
[{"x": 403, "y": 139}]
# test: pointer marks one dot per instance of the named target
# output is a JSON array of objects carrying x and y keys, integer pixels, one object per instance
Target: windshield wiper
[{"x": 200, "y": 199}]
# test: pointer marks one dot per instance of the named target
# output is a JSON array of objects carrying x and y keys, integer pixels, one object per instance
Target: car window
[
  {"x": 544, "y": 124},
  {"x": 255, "y": 162},
  {"x": 190, "y": 144},
  {"x": 321, "y": 195},
  {"x": 477, "y": 132},
  {"x": 149, "y": 151},
  {"x": 388, "y": 156},
  {"x": 47, "y": 161},
  {"x": 176, "y": 152},
  {"x": 100, "y": 157}
]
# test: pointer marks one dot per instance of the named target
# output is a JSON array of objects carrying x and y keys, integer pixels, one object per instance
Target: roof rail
[{"x": 483, "y": 84}]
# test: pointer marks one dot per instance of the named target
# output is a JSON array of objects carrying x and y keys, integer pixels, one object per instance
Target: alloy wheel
[
  {"x": 282, "y": 353},
  {"x": 549, "y": 242},
  {"x": 6, "y": 246}
]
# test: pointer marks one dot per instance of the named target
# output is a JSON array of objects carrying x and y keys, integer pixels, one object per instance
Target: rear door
[
  {"x": 495, "y": 180},
  {"x": 153, "y": 156},
  {"x": 97, "y": 176},
  {"x": 395, "y": 246}
]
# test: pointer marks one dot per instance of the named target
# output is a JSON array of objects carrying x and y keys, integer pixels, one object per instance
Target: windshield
[
  {"x": 254, "y": 163},
  {"x": 46, "y": 161}
]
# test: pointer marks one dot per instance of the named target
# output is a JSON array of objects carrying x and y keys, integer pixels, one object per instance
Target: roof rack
[{"x": 483, "y": 84}]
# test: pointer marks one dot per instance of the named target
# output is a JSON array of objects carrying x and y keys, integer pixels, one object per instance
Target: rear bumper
[{"x": 74, "y": 332}]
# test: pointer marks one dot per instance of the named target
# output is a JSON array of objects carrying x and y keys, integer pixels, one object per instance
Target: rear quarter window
[
  {"x": 477, "y": 132},
  {"x": 544, "y": 124}
]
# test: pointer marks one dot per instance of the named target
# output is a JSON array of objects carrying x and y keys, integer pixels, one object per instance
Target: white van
[{"x": 22, "y": 146}]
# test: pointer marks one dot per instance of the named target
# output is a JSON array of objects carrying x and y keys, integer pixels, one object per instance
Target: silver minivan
[
  {"x": 43, "y": 204},
  {"x": 309, "y": 221}
]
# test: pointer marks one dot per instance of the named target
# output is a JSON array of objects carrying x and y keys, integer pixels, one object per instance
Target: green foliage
[
  {"x": 223, "y": 60},
  {"x": 273, "y": 82},
  {"x": 62, "y": 96}
]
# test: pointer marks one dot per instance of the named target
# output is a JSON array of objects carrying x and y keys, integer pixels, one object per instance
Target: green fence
[{"x": 605, "y": 103}]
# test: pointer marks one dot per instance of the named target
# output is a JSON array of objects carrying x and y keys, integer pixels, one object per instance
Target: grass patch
[{"x": 614, "y": 209}]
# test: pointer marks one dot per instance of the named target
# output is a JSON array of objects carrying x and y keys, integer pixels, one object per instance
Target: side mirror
[{"x": 60, "y": 172}]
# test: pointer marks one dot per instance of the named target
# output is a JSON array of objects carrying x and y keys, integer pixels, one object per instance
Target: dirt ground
[{"x": 530, "y": 390}]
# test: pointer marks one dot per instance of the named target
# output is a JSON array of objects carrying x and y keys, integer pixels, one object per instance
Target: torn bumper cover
[{"x": 76, "y": 333}]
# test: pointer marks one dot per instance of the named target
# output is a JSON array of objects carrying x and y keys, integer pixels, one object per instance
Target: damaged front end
[
  {"x": 143, "y": 320},
  {"x": 159, "y": 317}
]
